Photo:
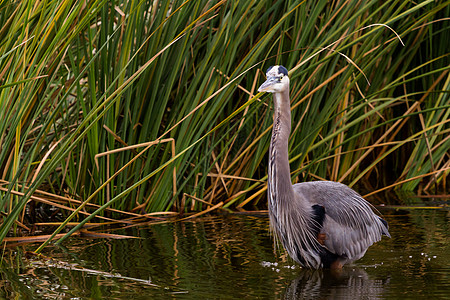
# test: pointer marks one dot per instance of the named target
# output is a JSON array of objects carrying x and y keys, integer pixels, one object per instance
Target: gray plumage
[{"x": 320, "y": 223}]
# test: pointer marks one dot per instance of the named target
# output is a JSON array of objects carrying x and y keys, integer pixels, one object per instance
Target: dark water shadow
[{"x": 348, "y": 283}]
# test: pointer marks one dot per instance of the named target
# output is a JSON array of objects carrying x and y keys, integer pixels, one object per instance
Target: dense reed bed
[{"x": 133, "y": 111}]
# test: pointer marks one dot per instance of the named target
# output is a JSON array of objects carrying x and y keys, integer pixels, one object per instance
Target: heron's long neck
[{"x": 279, "y": 177}]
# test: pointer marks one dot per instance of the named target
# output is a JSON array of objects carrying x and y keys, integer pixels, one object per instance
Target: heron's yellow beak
[{"x": 265, "y": 87}]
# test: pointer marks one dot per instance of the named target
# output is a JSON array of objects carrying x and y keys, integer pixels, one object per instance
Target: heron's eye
[{"x": 279, "y": 78}]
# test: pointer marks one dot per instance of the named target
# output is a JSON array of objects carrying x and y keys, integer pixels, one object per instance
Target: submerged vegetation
[{"x": 128, "y": 110}]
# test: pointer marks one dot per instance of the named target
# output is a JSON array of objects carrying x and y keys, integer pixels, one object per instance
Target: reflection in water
[
  {"x": 348, "y": 283},
  {"x": 230, "y": 257}
]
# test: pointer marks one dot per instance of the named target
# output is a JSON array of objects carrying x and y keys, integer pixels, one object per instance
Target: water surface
[{"x": 232, "y": 257}]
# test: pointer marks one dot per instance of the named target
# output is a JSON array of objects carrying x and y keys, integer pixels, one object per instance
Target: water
[{"x": 232, "y": 257}]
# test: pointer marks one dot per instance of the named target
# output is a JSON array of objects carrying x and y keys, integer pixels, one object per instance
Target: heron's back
[{"x": 350, "y": 225}]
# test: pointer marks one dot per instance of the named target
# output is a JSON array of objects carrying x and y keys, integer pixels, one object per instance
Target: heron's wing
[{"x": 350, "y": 225}]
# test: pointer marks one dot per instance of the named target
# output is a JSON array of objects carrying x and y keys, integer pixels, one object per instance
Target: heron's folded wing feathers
[{"x": 350, "y": 225}]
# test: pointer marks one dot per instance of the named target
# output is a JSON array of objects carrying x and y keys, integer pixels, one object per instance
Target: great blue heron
[{"x": 320, "y": 223}]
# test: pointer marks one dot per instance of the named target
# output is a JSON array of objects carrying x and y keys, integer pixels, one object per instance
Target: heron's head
[{"x": 277, "y": 80}]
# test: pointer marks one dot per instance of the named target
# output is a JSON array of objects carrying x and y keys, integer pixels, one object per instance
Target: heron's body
[{"x": 320, "y": 223}]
